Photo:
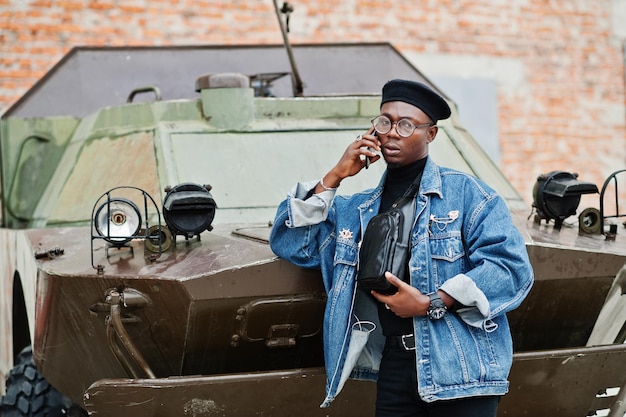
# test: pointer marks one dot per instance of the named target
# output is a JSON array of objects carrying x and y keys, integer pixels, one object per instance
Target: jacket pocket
[
  {"x": 447, "y": 247},
  {"x": 346, "y": 253},
  {"x": 448, "y": 256}
]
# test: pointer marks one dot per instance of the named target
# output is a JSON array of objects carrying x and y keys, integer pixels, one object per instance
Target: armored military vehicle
[{"x": 138, "y": 191}]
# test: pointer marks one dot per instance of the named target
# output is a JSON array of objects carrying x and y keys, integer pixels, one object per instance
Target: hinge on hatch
[{"x": 50, "y": 253}]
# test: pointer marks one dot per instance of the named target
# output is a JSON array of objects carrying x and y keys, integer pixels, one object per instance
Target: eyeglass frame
[{"x": 396, "y": 123}]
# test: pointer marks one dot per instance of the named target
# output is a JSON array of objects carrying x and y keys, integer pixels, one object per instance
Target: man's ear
[{"x": 432, "y": 133}]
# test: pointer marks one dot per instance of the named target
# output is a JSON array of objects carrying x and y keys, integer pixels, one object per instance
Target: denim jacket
[{"x": 463, "y": 242}]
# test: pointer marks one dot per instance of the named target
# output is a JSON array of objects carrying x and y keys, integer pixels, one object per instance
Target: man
[{"x": 441, "y": 345}]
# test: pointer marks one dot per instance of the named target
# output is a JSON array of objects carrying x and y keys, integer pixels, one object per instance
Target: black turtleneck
[
  {"x": 396, "y": 184},
  {"x": 398, "y": 181}
]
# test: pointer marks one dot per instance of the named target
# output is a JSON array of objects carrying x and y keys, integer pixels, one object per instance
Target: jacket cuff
[
  {"x": 475, "y": 310},
  {"x": 305, "y": 211}
]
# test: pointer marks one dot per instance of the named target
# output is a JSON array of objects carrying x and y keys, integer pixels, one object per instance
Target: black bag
[{"x": 386, "y": 245}]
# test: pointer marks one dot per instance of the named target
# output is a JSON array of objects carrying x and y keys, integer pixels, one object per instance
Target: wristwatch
[{"x": 437, "y": 308}]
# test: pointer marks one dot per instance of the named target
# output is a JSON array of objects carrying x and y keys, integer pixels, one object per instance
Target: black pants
[{"x": 397, "y": 393}]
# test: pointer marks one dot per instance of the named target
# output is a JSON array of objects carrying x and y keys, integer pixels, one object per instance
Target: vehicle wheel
[{"x": 28, "y": 394}]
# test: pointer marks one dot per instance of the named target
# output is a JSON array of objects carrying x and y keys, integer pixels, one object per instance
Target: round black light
[
  {"x": 590, "y": 221},
  {"x": 556, "y": 195},
  {"x": 189, "y": 209},
  {"x": 118, "y": 220}
]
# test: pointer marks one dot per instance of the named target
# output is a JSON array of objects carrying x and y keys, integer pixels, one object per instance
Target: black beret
[{"x": 419, "y": 95}]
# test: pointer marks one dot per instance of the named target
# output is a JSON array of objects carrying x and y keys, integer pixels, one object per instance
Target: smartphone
[{"x": 367, "y": 158}]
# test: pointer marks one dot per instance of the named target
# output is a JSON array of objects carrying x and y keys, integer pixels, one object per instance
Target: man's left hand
[{"x": 407, "y": 302}]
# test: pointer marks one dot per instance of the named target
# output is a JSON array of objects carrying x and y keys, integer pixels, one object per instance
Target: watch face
[{"x": 436, "y": 313}]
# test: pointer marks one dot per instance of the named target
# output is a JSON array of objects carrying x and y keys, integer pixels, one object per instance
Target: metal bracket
[
  {"x": 279, "y": 321},
  {"x": 282, "y": 335}
]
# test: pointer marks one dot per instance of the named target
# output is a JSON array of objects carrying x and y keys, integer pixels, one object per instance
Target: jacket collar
[{"x": 431, "y": 179}]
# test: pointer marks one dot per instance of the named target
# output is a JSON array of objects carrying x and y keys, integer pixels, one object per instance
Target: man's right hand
[{"x": 351, "y": 162}]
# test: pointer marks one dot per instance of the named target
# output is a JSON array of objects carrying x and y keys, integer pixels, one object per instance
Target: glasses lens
[
  {"x": 405, "y": 127},
  {"x": 382, "y": 124}
]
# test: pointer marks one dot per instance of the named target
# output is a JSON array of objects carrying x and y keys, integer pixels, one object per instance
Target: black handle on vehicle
[{"x": 154, "y": 89}]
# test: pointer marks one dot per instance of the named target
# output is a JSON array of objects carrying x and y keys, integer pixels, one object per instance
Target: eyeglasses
[{"x": 405, "y": 127}]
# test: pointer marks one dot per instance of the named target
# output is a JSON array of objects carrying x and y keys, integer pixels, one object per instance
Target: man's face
[{"x": 399, "y": 151}]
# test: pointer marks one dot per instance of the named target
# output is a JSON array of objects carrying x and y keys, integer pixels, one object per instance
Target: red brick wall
[{"x": 567, "y": 112}]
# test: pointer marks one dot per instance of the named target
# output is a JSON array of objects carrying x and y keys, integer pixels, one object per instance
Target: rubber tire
[{"x": 28, "y": 394}]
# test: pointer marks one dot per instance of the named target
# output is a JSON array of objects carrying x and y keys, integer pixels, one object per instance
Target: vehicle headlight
[{"x": 118, "y": 221}]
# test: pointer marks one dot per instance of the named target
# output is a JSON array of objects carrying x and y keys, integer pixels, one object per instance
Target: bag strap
[
  {"x": 409, "y": 194},
  {"x": 406, "y": 204}
]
